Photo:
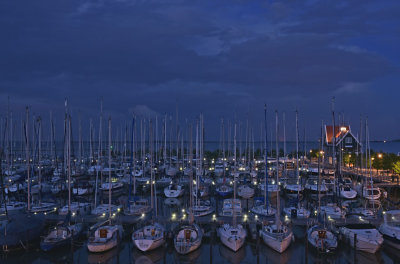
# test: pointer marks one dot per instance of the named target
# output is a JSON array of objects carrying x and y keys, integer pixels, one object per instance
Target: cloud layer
[{"x": 217, "y": 57}]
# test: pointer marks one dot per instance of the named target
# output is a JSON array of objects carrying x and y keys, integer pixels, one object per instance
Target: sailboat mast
[
  {"x": 191, "y": 171},
  {"x": 297, "y": 157},
  {"x": 197, "y": 158},
  {"x": 39, "y": 158},
  {"x": 334, "y": 161},
  {"x": 284, "y": 142},
  {"x": 151, "y": 163},
  {"x": 69, "y": 162},
  {"x": 278, "y": 205},
  {"x": 27, "y": 157},
  {"x": 266, "y": 159},
  {"x": 234, "y": 180},
  {"x": 319, "y": 169},
  {"x": 109, "y": 167}
]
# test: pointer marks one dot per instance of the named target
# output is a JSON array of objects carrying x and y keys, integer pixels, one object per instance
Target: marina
[
  {"x": 201, "y": 132},
  {"x": 171, "y": 200}
]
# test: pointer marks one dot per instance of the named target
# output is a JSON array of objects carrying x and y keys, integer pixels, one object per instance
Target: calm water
[{"x": 211, "y": 251}]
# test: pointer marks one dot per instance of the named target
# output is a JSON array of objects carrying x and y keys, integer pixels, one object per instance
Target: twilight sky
[{"x": 217, "y": 57}]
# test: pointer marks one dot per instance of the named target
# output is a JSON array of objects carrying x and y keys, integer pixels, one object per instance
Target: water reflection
[
  {"x": 109, "y": 256},
  {"x": 211, "y": 251},
  {"x": 188, "y": 258},
  {"x": 153, "y": 256},
  {"x": 231, "y": 256}
]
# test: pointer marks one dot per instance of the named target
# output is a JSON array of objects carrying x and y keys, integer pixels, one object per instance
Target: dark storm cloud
[{"x": 216, "y": 57}]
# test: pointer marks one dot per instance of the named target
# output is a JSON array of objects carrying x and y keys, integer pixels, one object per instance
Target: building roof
[{"x": 340, "y": 131}]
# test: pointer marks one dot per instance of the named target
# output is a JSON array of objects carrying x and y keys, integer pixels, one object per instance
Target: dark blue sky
[{"x": 216, "y": 57}]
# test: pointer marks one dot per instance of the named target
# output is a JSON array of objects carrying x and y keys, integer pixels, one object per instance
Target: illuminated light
[
  {"x": 183, "y": 210},
  {"x": 148, "y": 182},
  {"x": 73, "y": 214},
  {"x": 113, "y": 214},
  {"x": 184, "y": 216},
  {"x": 118, "y": 209},
  {"x": 173, "y": 216},
  {"x": 104, "y": 214},
  {"x": 384, "y": 212},
  {"x": 315, "y": 212},
  {"x": 255, "y": 183},
  {"x": 143, "y": 215},
  {"x": 55, "y": 208},
  {"x": 45, "y": 213},
  {"x": 343, "y": 129},
  {"x": 380, "y": 155},
  {"x": 213, "y": 183}
]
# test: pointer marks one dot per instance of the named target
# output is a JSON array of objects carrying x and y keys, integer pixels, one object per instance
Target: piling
[{"x": 355, "y": 248}]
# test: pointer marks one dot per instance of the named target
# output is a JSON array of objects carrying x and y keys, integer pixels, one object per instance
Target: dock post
[
  {"x": 211, "y": 244},
  {"x": 306, "y": 247},
  {"x": 355, "y": 248},
  {"x": 258, "y": 248}
]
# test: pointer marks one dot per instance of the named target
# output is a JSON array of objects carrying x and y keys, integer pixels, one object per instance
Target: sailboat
[
  {"x": 318, "y": 235},
  {"x": 369, "y": 192},
  {"x": 347, "y": 192},
  {"x": 265, "y": 209},
  {"x": 106, "y": 236},
  {"x": 188, "y": 236},
  {"x": 294, "y": 188},
  {"x": 19, "y": 230},
  {"x": 233, "y": 236},
  {"x": 368, "y": 237},
  {"x": 174, "y": 191},
  {"x": 245, "y": 191},
  {"x": 200, "y": 207},
  {"x": 63, "y": 234},
  {"x": 151, "y": 236},
  {"x": 390, "y": 228},
  {"x": 278, "y": 236},
  {"x": 322, "y": 239}
]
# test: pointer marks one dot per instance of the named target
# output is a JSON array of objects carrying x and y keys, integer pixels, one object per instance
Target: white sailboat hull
[
  {"x": 232, "y": 241},
  {"x": 148, "y": 244},
  {"x": 277, "y": 244},
  {"x": 368, "y": 242},
  {"x": 101, "y": 247}
]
